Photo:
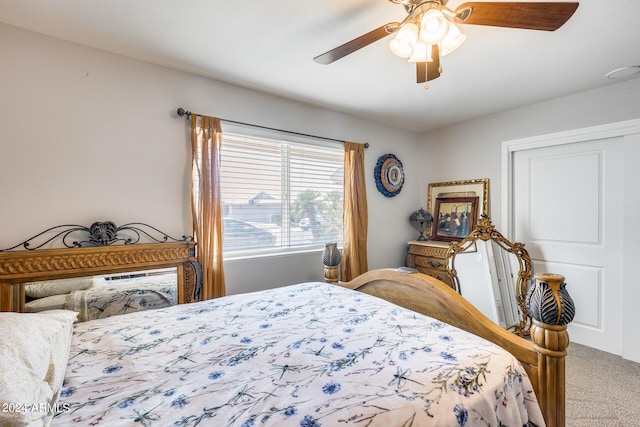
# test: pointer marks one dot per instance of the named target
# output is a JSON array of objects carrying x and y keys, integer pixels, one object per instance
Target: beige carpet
[{"x": 602, "y": 389}]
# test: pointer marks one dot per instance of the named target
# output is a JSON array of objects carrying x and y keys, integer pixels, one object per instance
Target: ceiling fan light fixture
[
  {"x": 433, "y": 26},
  {"x": 421, "y": 53},
  {"x": 452, "y": 40},
  {"x": 402, "y": 44},
  {"x": 430, "y": 24}
]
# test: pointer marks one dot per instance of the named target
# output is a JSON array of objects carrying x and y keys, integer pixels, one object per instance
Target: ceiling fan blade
[
  {"x": 427, "y": 71},
  {"x": 545, "y": 16},
  {"x": 356, "y": 44},
  {"x": 433, "y": 68}
]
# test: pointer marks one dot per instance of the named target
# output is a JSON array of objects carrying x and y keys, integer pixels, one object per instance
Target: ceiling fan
[{"x": 429, "y": 30}]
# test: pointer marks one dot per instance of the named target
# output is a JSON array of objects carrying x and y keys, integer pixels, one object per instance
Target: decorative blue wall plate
[{"x": 389, "y": 175}]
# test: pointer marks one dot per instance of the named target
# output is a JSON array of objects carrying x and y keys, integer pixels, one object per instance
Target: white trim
[{"x": 591, "y": 133}]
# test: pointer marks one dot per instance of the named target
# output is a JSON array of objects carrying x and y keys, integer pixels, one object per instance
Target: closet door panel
[{"x": 568, "y": 205}]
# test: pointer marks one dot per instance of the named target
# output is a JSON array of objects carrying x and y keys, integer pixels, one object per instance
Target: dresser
[{"x": 428, "y": 257}]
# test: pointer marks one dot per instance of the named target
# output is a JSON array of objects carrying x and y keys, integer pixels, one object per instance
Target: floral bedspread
[
  {"x": 124, "y": 296},
  {"x": 305, "y": 355}
]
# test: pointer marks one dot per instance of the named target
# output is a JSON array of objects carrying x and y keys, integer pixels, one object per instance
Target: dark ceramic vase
[
  {"x": 549, "y": 302},
  {"x": 331, "y": 255}
]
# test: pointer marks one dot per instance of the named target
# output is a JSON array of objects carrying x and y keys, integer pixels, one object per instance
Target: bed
[{"x": 362, "y": 353}]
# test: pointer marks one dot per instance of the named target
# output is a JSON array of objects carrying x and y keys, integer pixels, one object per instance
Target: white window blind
[{"x": 279, "y": 195}]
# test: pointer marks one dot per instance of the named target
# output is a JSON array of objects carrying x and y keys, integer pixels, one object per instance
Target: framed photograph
[
  {"x": 468, "y": 188},
  {"x": 454, "y": 217}
]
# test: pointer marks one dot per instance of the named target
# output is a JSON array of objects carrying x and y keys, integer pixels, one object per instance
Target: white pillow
[
  {"x": 47, "y": 288},
  {"x": 54, "y": 302},
  {"x": 34, "y": 351}
]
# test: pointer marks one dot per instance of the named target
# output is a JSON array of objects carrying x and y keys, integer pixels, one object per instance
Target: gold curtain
[
  {"x": 206, "y": 206},
  {"x": 355, "y": 216}
]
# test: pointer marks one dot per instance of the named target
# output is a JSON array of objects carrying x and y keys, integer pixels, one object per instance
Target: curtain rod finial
[{"x": 183, "y": 113}]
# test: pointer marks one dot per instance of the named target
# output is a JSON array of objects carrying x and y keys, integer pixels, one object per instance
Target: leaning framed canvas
[
  {"x": 467, "y": 188},
  {"x": 454, "y": 217}
]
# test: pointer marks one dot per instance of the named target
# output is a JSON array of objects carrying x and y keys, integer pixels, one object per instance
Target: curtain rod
[{"x": 187, "y": 114}]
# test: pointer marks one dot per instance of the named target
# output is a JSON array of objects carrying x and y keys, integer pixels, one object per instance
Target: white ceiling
[{"x": 269, "y": 45}]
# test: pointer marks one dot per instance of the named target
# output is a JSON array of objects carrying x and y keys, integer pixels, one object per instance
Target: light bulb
[{"x": 402, "y": 44}]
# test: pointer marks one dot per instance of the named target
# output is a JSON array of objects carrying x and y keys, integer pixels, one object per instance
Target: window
[{"x": 279, "y": 195}]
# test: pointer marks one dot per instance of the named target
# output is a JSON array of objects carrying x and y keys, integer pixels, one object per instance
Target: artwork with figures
[
  {"x": 463, "y": 188},
  {"x": 455, "y": 217}
]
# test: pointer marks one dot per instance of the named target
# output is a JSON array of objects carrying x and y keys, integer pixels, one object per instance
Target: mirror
[
  {"x": 97, "y": 297},
  {"x": 493, "y": 274},
  {"x": 98, "y": 265}
]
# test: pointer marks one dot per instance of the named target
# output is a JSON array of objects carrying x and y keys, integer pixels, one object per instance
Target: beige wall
[{"x": 90, "y": 136}]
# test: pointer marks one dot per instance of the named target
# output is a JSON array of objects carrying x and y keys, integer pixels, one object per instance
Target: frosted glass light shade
[
  {"x": 452, "y": 40},
  {"x": 402, "y": 44},
  {"x": 433, "y": 26}
]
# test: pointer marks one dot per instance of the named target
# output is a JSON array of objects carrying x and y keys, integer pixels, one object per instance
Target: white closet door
[{"x": 567, "y": 204}]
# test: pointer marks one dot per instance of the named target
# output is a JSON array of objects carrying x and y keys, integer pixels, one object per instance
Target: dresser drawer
[
  {"x": 429, "y": 259},
  {"x": 430, "y": 262},
  {"x": 428, "y": 251}
]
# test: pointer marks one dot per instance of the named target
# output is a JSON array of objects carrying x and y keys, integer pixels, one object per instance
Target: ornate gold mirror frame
[{"x": 486, "y": 231}]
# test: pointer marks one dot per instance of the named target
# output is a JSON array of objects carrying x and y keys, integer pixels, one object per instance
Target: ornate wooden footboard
[{"x": 543, "y": 357}]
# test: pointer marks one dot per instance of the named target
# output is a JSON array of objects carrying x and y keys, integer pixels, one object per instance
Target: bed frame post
[{"x": 552, "y": 309}]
